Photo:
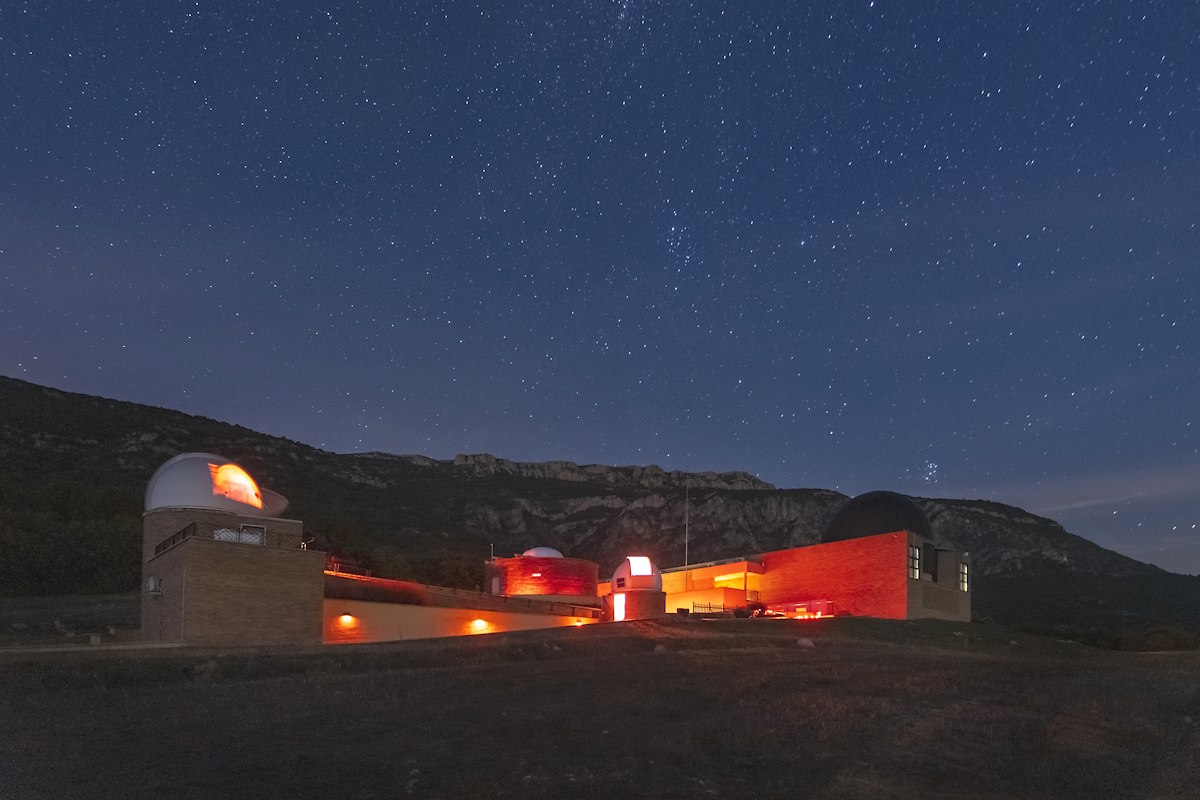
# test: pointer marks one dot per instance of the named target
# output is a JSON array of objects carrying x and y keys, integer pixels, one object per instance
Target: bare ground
[{"x": 677, "y": 708}]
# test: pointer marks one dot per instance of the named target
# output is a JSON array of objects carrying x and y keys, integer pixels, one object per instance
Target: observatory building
[
  {"x": 542, "y": 572},
  {"x": 876, "y": 558},
  {"x": 219, "y": 563},
  {"x": 222, "y": 566},
  {"x": 636, "y": 591}
]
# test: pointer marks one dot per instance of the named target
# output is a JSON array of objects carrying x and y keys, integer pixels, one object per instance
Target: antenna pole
[{"x": 687, "y": 497}]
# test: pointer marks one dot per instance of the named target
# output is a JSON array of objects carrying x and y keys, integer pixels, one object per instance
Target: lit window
[
  {"x": 618, "y": 607},
  {"x": 963, "y": 576},
  {"x": 914, "y": 562},
  {"x": 640, "y": 565}
]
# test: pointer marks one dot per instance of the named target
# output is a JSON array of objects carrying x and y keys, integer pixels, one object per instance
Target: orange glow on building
[
  {"x": 523, "y": 576},
  {"x": 230, "y": 480},
  {"x": 479, "y": 626}
]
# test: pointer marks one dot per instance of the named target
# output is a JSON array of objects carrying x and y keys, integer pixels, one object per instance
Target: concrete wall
[
  {"x": 733, "y": 575},
  {"x": 360, "y": 621},
  {"x": 721, "y": 596},
  {"x": 941, "y": 598}
]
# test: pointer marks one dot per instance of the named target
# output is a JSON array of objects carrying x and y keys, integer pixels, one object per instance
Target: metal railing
[
  {"x": 337, "y": 568},
  {"x": 254, "y": 535},
  {"x": 188, "y": 532}
]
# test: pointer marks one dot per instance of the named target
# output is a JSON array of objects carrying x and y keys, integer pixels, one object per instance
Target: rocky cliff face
[
  {"x": 1005, "y": 540},
  {"x": 709, "y": 524},
  {"x": 651, "y": 477}
]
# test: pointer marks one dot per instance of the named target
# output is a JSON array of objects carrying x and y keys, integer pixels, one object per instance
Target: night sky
[{"x": 947, "y": 249}]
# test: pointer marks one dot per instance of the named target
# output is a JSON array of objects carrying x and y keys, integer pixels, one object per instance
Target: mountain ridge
[{"x": 73, "y": 468}]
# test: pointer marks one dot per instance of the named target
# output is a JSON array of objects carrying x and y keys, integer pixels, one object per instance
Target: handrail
[
  {"x": 188, "y": 532},
  {"x": 259, "y": 537}
]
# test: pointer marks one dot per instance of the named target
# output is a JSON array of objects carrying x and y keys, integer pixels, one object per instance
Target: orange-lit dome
[
  {"x": 636, "y": 572},
  {"x": 204, "y": 480}
]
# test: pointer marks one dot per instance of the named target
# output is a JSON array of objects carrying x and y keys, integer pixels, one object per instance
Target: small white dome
[
  {"x": 204, "y": 480},
  {"x": 542, "y": 552},
  {"x": 636, "y": 572}
]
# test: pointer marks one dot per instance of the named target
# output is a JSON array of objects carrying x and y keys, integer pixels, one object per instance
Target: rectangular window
[
  {"x": 914, "y": 562},
  {"x": 963, "y": 580},
  {"x": 253, "y": 534}
]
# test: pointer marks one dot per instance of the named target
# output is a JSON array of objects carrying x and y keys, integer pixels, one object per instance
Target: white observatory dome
[
  {"x": 204, "y": 480},
  {"x": 636, "y": 572},
  {"x": 542, "y": 552}
]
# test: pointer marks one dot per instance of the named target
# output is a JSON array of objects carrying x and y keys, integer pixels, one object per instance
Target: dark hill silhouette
[{"x": 73, "y": 469}]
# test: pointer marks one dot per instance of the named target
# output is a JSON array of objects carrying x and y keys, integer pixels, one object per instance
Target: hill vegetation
[{"x": 73, "y": 469}]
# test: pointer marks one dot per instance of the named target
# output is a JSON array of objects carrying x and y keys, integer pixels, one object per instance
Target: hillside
[{"x": 73, "y": 469}]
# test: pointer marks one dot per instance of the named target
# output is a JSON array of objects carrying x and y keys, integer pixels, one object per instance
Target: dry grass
[{"x": 731, "y": 708}]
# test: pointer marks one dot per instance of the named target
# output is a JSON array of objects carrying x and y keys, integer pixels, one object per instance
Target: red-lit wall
[
  {"x": 866, "y": 576},
  {"x": 532, "y": 575}
]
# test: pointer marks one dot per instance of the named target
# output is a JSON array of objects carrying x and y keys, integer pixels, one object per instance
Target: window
[
  {"x": 253, "y": 534},
  {"x": 963, "y": 580},
  {"x": 914, "y": 562},
  {"x": 249, "y": 534}
]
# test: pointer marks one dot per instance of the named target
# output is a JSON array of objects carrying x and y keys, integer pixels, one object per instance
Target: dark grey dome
[{"x": 877, "y": 512}]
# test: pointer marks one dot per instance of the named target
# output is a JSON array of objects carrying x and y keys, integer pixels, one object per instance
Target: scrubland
[{"x": 840, "y": 708}]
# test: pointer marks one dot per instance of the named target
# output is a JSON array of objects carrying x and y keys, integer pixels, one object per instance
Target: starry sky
[{"x": 948, "y": 249}]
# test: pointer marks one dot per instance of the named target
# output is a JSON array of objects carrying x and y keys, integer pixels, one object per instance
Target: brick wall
[
  {"x": 532, "y": 575},
  {"x": 249, "y": 594},
  {"x": 161, "y": 524},
  {"x": 220, "y": 592},
  {"x": 865, "y": 576}
]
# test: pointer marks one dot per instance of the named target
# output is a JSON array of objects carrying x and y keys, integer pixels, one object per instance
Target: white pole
[{"x": 687, "y": 496}]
